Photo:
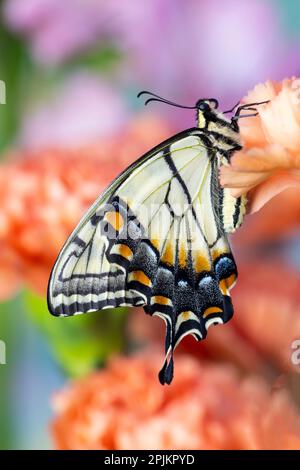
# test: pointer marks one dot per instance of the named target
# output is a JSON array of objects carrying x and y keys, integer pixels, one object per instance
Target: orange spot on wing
[
  {"x": 125, "y": 251},
  {"x": 182, "y": 256},
  {"x": 140, "y": 277},
  {"x": 115, "y": 219},
  {"x": 201, "y": 263},
  {"x": 160, "y": 299},
  {"x": 156, "y": 243},
  {"x": 168, "y": 254},
  {"x": 217, "y": 252},
  {"x": 230, "y": 280},
  {"x": 186, "y": 315},
  {"x": 223, "y": 287},
  {"x": 226, "y": 284},
  {"x": 211, "y": 310}
]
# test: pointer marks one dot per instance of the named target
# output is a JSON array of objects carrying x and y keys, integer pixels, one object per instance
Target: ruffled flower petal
[{"x": 270, "y": 160}]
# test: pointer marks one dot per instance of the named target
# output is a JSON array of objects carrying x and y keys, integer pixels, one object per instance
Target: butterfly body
[{"x": 157, "y": 238}]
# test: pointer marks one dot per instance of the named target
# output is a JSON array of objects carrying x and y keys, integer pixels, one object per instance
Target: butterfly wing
[{"x": 155, "y": 238}]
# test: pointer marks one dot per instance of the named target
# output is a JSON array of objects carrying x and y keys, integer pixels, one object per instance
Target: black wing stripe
[
  {"x": 237, "y": 211},
  {"x": 176, "y": 174}
]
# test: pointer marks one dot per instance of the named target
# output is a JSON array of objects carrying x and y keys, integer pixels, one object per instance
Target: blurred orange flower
[
  {"x": 206, "y": 407},
  {"x": 270, "y": 160},
  {"x": 276, "y": 219},
  {"x": 44, "y": 194},
  {"x": 266, "y": 321}
]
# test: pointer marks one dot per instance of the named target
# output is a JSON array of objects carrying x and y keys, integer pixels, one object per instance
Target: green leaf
[{"x": 82, "y": 342}]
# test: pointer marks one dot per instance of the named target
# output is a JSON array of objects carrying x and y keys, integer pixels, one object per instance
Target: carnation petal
[{"x": 271, "y": 188}]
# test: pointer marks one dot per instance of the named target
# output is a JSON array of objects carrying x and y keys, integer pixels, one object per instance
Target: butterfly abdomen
[{"x": 233, "y": 211}]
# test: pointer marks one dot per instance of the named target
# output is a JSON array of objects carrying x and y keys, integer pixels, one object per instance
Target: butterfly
[{"x": 158, "y": 235}]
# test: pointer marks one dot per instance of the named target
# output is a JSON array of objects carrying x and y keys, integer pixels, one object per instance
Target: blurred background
[{"x": 71, "y": 122}]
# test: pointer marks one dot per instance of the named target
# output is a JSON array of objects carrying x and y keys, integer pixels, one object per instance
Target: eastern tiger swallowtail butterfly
[{"x": 158, "y": 235}]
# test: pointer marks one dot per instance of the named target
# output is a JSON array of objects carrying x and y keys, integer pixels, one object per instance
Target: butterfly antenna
[
  {"x": 170, "y": 103},
  {"x": 246, "y": 106},
  {"x": 144, "y": 92},
  {"x": 231, "y": 109},
  {"x": 159, "y": 99}
]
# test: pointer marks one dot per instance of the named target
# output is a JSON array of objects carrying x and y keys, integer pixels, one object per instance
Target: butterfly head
[{"x": 206, "y": 111}]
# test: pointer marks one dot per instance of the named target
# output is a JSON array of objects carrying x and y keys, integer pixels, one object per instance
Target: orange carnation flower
[
  {"x": 206, "y": 407},
  {"x": 276, "y": 219},
  {"x": 270, "y": 160},
  {"x": 266, "y": 321}
]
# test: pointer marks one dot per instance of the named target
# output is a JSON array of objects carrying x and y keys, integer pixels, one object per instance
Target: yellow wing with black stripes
[{"x": 156, "y": 238}]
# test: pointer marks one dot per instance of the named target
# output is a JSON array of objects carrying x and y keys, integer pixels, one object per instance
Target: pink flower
[
  {"x": 85, "y": 108},
  {"x": 183, "y": 66},
  {"x": 58, "y": 29},
  {"x": 206, "y": 407}
]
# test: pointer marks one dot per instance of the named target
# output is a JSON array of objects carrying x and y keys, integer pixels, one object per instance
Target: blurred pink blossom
[
  {"x": 84, "y": 109},
  {"x": 57, "y": 29},
  {"x": 183, "y": 50},
  {"x": 200, "y": 48}
]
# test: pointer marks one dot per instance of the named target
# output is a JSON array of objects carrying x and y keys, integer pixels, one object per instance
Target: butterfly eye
[{"x": 203, "y": 106}]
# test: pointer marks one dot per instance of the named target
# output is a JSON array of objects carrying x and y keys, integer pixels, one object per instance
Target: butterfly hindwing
[{"x": 154, "y": 239}]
